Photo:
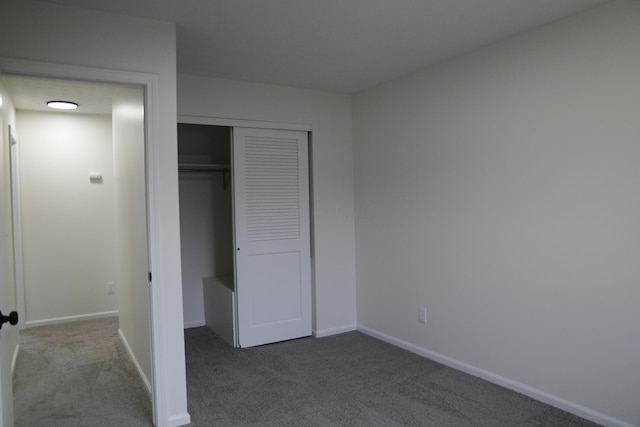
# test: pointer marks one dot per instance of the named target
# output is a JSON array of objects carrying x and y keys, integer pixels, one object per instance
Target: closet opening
[
  {"x": 245, "y": 230},
  {"x": 206, "y": 227}
]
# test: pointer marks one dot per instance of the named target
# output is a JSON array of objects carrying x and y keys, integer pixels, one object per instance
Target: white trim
[
  {"x": 16, "y": 212},
  {"x": 334, "y": 331},
  {"x": 150, "y": 84},
  {"x": 221, "y": 121},
  {"x": 74, "y": 72},
  {"x": 194, "y": 324},
  {"x": 158, "y": 360},
  {"x": 127, "y": 347},
  {"x": 68, "y": 319},
  {"x": 179, "y": 420},
  {"x": 536, "y": 394},
  {"x": 14, "y": 360}
]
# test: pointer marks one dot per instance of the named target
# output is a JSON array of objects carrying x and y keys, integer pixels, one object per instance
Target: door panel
[
  {"x": 8, "y": 333},
  {"x": 271, "y": 213},
  {"x": 286, "y": 284}
]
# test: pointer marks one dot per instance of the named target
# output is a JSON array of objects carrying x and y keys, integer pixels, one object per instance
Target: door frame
[
  {"x": 16, "y": 220},
  {"x": 149, "y": 83},
  {"x": 243, "y": 123}
]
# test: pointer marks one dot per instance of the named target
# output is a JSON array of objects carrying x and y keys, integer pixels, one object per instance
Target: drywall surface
[
  {"x": 67, "y": 220},
  {"x": 46, "y": 32},
  {"x": 132, "y": 262},
  {"x": 206, "y": 227},
  {"x": 500, "y": 191},
  {"x": 332, "y": 175}
]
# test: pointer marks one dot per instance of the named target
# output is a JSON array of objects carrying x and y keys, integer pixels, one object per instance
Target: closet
[
  {"x": 206, "y": 225},
  {"x": 244, "y": 208}
]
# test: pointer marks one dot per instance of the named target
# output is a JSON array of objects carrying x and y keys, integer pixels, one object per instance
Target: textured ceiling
[{"x": 336, "y": 45}]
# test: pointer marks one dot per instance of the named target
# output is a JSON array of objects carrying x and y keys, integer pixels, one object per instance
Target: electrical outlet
[
  {"x": 111, "y": 287},
  {"x": 423, "y": 315}
]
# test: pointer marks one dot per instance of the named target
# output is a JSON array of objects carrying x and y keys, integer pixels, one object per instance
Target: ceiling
[
  {"x": 32, "y": 93},
  {"x": 335, "y": 45}
]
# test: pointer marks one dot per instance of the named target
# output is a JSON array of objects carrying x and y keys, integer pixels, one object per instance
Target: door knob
[{"x": 12, "y": 318}]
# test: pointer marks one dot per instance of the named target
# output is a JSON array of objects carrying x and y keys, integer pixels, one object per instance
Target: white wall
[
  {"x": 206, "y": 222},
  {"x": 132, "y": 262},
  {"x": 500, "y": 191},
  {"x": 8, "y": 334},
  {"x": 332, "y": 169},
  {"x": 38, "y": 31},
  {"x": 67, "y": 220}
]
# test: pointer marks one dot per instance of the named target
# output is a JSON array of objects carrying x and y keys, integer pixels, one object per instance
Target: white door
[
  {"x": 271, "y": 219},
  {"x": 6, "y": 357},
  {"x": 8, "y": 333},
  {"x": 7, "y": 346}
]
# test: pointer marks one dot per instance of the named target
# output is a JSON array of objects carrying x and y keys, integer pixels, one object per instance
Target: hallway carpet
[{"x": 78, "y": 374}]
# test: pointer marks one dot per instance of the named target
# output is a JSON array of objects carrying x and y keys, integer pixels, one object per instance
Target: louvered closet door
[{"x": 271, "y": 212}]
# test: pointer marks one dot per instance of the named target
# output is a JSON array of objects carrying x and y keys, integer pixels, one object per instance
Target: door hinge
[{"x": 150, "y": 276}]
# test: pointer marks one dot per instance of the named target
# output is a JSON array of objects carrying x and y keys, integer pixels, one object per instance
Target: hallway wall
[
  {"x": 67, "y": 220},
  {"x": 131, "y": 239}
]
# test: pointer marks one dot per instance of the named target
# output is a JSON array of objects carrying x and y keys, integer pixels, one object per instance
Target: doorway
[{"x": 86, "y": 209}]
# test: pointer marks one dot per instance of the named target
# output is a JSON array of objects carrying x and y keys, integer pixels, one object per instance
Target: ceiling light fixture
[{"x": 62, "y": 105}]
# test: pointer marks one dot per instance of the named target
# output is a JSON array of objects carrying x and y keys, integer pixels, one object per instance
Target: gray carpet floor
[
  {"x": 345, "y": 380},
  {"x": 79, "y": 374}
]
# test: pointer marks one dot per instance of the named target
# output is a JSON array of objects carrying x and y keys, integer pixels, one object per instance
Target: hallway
[{"x": 78, "y": 374}]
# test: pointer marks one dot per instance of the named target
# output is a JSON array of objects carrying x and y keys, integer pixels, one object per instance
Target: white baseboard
[
  {"x": 143, "y": 377},
  {"x": 536, "y": 394},
  {"x": 194, "y": 324},
  {"x": 334, "y": 331},
  {"x": 67, "y": 319},
  {"x": 179, "y": 420}
]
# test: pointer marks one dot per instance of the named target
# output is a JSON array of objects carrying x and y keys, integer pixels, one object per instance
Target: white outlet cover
[{"x": 423, "y": 315}]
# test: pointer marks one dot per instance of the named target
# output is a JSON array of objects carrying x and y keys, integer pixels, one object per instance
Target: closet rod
[
  {"x": 203, "y": 167},
  {"x": 208, "y": 167}
]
